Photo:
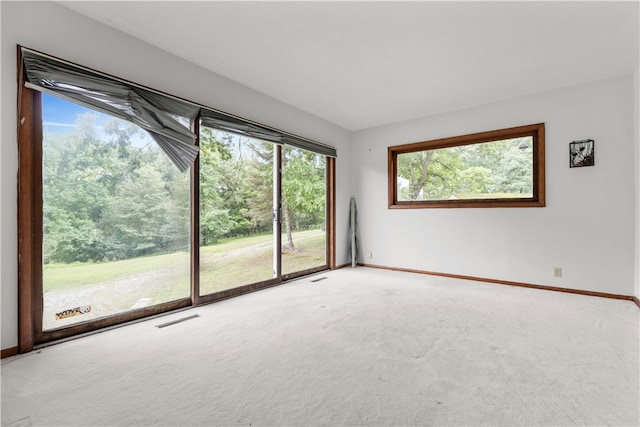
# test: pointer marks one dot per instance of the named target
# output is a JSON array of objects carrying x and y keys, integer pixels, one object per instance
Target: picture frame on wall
[{"x": 582, "y": 153}]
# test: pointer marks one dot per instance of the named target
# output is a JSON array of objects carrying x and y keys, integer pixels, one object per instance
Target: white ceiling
[{"x": 364, "y": 64}]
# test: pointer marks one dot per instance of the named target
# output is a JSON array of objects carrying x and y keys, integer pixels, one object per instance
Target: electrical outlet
[
  {"x": 557, "y": 271},
  {"x": 369, "y": 254}
]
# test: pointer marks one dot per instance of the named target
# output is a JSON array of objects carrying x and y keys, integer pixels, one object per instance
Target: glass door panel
[
  {"x": 304, "y": 195},
  {"x": 236, "y": 211},
  {"x": 115, "y": 218}
]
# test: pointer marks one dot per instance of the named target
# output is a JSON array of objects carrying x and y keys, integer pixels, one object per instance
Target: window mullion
[
  {"x": 195, "y": 219},
  {"x": 277, "y": 211}
]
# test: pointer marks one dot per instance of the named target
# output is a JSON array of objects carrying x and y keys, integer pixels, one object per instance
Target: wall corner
[{"x": 636, "y": 144}]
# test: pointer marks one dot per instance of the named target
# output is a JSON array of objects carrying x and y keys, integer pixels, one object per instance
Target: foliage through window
[{"x": 503, "y": 168}]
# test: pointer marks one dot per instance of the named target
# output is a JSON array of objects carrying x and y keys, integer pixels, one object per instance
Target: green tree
[
  {"x": 414, "y": 168},
  {"x": 260, "y": 182},
  {"x": 494, "y": 169},
  {"x": 303, "y": 190},
  {"x": 138, "y": 215},
  {"x": 233, "y": 184},
  {"x": 430, "y": 174},
  {"x": 74, "y": 197},
  {"x": 474, "y": 180},
  {"x": 225, "y": 188},
  {"x": 214, "y": 218},
  {"x": 514, "y": 168},
  {"x": 106, "y": 198}
]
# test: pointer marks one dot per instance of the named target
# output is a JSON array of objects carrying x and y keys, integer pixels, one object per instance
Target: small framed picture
[{"x": 581, "y": 153}]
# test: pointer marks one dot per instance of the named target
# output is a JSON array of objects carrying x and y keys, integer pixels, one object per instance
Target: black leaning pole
[{"x": 353, "y": 242}]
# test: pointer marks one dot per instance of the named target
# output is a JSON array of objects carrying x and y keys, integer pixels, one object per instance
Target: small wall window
[{"x": 501, "y": 168}]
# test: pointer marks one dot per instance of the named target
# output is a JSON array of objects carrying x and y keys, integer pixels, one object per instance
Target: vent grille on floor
[
  {"x": 173, "y": 322},
  {"x": 318, "y": 279}
]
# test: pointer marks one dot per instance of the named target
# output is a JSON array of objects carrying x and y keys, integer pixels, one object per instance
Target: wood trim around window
[
  {"x": 538, "y": 200},
  {"x": 29, "y": 204}
]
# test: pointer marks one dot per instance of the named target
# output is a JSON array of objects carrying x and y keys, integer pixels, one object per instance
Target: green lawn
[
  {"x": 81, "y": 275},
  {"x": 227, "y": 264}
]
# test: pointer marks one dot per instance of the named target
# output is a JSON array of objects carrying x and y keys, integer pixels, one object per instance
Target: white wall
[
  {"x": 53, "y": 29},
  {"x": 586, "y": 228}
]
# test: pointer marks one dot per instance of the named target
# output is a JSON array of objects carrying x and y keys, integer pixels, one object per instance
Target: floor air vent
[
  {"x": 318, "y": 279},
  {"x": 173, "y": 322}
]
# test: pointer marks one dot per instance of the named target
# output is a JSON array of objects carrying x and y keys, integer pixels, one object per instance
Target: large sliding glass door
[
  {"x": 236, "y": 211},
  {"x": 257, "y": 225},
  {"x": 116, "y": 215},
  {"x": 116, "y": 229},
  {"x": 115, "y": 218},
  {"x": 133, "y": 202},
  {"x": 304, "y": 201}
]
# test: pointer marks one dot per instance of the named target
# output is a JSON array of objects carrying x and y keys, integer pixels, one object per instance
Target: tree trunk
[
  {"x": 287, "y": 226},
  {"x": 425, "y": 159}
]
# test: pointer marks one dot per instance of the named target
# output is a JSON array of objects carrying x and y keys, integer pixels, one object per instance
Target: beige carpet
[{"x": 360, "y": 347}]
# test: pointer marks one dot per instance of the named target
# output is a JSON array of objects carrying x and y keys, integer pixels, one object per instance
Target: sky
[{"x": 59, "y": 115}]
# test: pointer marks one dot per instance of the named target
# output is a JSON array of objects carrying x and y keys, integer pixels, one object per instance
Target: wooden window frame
[
  {"x": 30, "y": 235},
  {"x": 536, "y": 131}
]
